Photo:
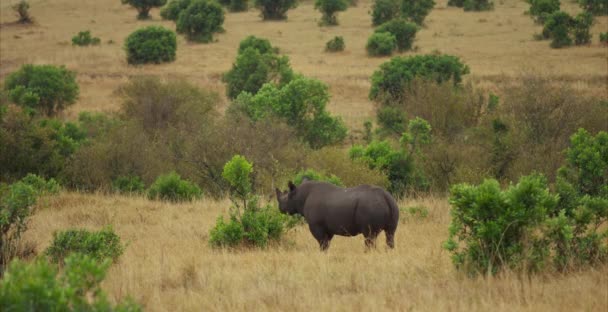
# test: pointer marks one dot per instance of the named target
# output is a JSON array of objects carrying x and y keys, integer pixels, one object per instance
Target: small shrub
[
  {"x": 22, "y": 9},
  {"x": 262, "y": 45},
  {"x": 40, "y": 286},
  {"x": 381, "y": 44},
  {"x": 416, "y": 10},
  {"x": 46, "y": 88},
  {"x": 595, "y": 7},
  {"x": 173, "y": 8},
  {"x": 330, "y": 8},
  {"x": 237, "y": 172},
  {"x": 604, "y": 37},
  {"x": 275, "y": 9},
  {"x": 384, "y": 11},
  {"x": 389, "y": 83},
  {"x": 541, "y": 9},
  {"x": 128, "y": 185},
  {"x": 335, "y": 45},
  {"x": 404, "y": 32},
  {"x": 84, "y": 38},
  {"x": 227, "y": 234},
  {"x": 99, "y": 245},
  {"x": 172, "y": 188},
  {"x": 144, "y": 6},
  {"x": 456, "y": 3},
  {"x": 235, "y": 5},
  {"x": 40, "y": 185},
  {"x": 391, "y": 120},
  {"x": 478, "y": 5},
  {"x": 418, "y": 212},
  {"x": 582, "y": 25},
  {"x": 200, "y": 20},
  {"x": 312, "y": 175},
  {"x": 152, "y": 44}
]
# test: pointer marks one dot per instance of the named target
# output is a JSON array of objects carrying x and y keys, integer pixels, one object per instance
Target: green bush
[
  {"x": 235, "y": 5},
  {"x": 40, "y": 185},
  {"x": 22, "y": 8},
  {"x": 128, "y": 185},
  {"x": 172, "y": 188},
  {"x": 301, "y": 103},
  {"x": 200, "y": 20},
  {"x": 173, "y": 8},
  {"x": 312, "y": 175},
  {"x": 46, "y": 88},
  {"x": 404, "y": 32},
  {"x": 237, "y": 172},
  {"x": 478, "y": 5},
  {"x": 253, "y": 69},
  {"x": 389, "y": 83},
  {"x": 99, "y": 245},
  {"x": 456, "y": 3},
  {"x": 541, "y": 9},
  {"x": 416, "y": 10},
  {"x": 262, "y": 45},
  {"x": 275, "y": 9},
  {"x": 418, "y": 212},
  {"x": 384, "y": 11},
  {"x": 329, "y": 9},
  {"x": 335, "y": 45},
  {"x": 152, "y": 44},
  {"x": 144, "y": 6},
  {"x": 40, "y": 286},
  {"x": 604, "y": 37},
  {"x": 557, "y": 27},
  {"x": 391, "y": 120},
  {"x": 84, "y": 38},
  {"x": 595, "y": 7},
  {"x": 582, "y": 25},
  {"x": 381, "y": 44}
]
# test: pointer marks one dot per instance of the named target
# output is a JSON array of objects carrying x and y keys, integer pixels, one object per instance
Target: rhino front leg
[{"x": 322, "y": 236}]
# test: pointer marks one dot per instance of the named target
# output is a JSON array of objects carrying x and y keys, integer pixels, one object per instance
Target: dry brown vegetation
[{"x": 169, "y": 266}]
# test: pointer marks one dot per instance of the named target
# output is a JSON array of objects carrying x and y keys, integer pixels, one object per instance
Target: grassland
[{"x": 168, "y": 265}]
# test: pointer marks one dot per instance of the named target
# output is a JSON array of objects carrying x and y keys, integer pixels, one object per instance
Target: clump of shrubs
[
  {"x": 604, "y": 37},
  {"x": 84, "y": 39},
  {"x": 249, "y": 224},
  {"x": 262, "y": 45},
  {"x": 330, "y": 8},
  {"x": 275, "y": 9},
  {"x": 235, "y": 5},
  {"x": 99, "y": 245},
  {"x": 416, "y": 10},
  {"x": 594, "y": 7},
  {"x": 22, "y": 9},
  {"x": 152, "y": 44},
  {"x": 335, "y": 45},
  {"x": 171, "y": 187},
  {"x": 144, "y": 6},
  {"x": 45, "y": 88},
  {"x": 478, "y": 5},
  {"x": 200, "y": 20},
  {"x": 404, "y": 32},
  {"x": 564, "y": 30},
  {"x": 76, "y": 286},
  {"x": 541, "y": 9},
  {"x": 131, "y": 184},
  {"x": 381, "y": 44},
  {"x": 384, "y": 11},
  {"x": 313, "y": 175}
]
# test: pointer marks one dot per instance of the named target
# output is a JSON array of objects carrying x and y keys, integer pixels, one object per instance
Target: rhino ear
[{"x": 292, "y": 186}]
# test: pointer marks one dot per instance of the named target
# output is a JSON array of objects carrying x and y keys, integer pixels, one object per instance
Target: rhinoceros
[{"x": 331, "y": 210}]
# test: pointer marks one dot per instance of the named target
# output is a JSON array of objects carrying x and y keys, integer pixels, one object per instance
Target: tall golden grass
[{"x": 168, "y": 265}]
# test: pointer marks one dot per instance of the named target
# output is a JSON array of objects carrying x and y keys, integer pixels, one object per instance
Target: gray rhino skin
[{"x": 330, "y": 210}]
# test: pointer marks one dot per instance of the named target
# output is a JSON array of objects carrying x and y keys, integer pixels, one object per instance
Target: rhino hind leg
[
  {"x": 322, "y": 236},
  {"x": 390, "y": 239},
  {"x": 370, "y": 239}
]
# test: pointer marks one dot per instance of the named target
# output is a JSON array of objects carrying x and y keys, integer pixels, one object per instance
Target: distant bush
[
  {"x": 456, "y": 3},
  {"x": 171, "y": 187},
  {"x": 381, "y": 44},
  {"x": 418, "y": 212},
  {"x": 391, "y": 120},
  {"x": 144, "y": 6},
  {"x": 262, "y": 45},
  {"x": 384, "y": 11},
  {"x": 99, "y": 245},
  {"x": 173, "y": 8},
  {"x": 391, "y": 80},
  {"x": 275, "y": 9},
  {"x": 330, "y": 8},
  {"x": 152, "y": 44},
  {"x": 404, "y": 32},
  {"x": 253, "y": 69},
  {"x": 128, "y": 185},
  {"x": 478, "y": 5},
  {"x": 595, "y": 7},
  {"x": 46, "y": 88},
  {"x": 22, "y": 9},
  {"x": 335, "y": 45},
  {"x": 312, "y": 175},
  {"x": 301, "y": 103},
  {"x": 564, "y": 30},
  {"x": 604, "y": 37},
  {"x": 416, "y": 10},
  {"x": 40, "y": 185},
  {"x": 235, "y": 5},
  {"x": 40, "y": 286},
  {"x": 541, "y": 9},
  {"x": 581, "y": 29},
  {"x": 84, "y": 38},
  {"x": 200, "y": 20}
]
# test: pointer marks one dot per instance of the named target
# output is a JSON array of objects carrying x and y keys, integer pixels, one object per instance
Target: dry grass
[
  {"x": 497, "y": 45},
  {"x": 168, "y": 265}
]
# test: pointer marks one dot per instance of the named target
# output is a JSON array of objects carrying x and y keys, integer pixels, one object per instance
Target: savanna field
[{"x": 169, "y": 264}]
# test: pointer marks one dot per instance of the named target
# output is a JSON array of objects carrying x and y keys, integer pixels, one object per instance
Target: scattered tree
[
  {"x": 144, "y": 6},
  {"x": 404, "y": 32},
  {"x": 330, "y": 8},
  {"x": 200, "y": 20},
  {"x": 416, "y": 10},
  {"x": 384, "y": 11},
  {"x": 381, "y": 44},
  {"x": 335, "y": 45},
  {"x": 172, "y": 10},
  {"x": 152, "y": 44},
  {"x": 275, "y": 9}
]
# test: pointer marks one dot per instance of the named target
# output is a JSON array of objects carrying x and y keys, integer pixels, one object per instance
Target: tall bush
[
  {"x": 381, "y": 44},
  {"x": 47, "y": 88},
  {"x": 275, "y": 9},
  {"x": 152, "y": 44},
  {"x": 144, "y": 6},
  {"x": 384, "y": 11},
  {"x": 173, "y": 8},
  {"x": 541, "y": 9},
  {"x": 416, "y": 10},
  {"x": 329, "y": 9},
  {"x": 172, "y": 188},
  {"x": 404, "y": 32},
  {"x": 200, "y": 20}
]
